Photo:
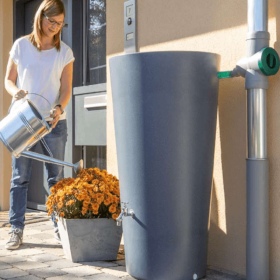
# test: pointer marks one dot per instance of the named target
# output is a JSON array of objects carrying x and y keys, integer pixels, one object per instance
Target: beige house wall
[
  {"x": 6, "y": 40},
  {"x": 220, "y": 27}
]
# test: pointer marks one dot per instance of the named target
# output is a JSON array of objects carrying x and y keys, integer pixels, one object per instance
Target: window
[
  {"x": 95, "y": 156},
  {"x": 89, "y": 46},
  {"x": 95, "y": 42}
]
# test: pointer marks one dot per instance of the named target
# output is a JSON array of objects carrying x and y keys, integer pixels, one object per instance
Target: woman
[{"x": 39, "y": 63}]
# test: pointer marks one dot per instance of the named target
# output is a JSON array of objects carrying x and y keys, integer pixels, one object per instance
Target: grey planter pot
[{"x": 85, "y": 240}]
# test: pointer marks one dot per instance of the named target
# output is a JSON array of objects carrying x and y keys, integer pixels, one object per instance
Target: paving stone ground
[{"x": 41, "y": 257}]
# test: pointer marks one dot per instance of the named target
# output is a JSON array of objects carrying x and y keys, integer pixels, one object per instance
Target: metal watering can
[{"x": 24, "y": 127}]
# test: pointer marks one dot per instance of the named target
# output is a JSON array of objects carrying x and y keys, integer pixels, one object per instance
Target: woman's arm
[
  {"x": 65, "y": 92},
  {"x": 10, "y": 81},
  {"x": 66, "y": 85}
]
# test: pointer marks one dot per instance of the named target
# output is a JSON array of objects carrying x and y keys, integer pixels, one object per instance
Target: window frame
[{"x": 86, "y": 69}]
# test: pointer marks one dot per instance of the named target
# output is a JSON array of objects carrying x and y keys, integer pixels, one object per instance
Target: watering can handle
[
  {"x": 23, "y": 99},
  {"x": 42, "y": 97}
]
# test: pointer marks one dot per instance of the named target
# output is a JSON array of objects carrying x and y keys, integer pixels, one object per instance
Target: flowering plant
[{"x": 93, "y": 194}]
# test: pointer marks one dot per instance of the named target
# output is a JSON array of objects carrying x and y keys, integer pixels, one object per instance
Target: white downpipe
[
  {"x": 257, "y": 38},
  {"x": 256, "y": 124},
  {"x": 257, "y": 236},
  {"x": 257, "y": 15},
  {"x": 261, "y": 62}
]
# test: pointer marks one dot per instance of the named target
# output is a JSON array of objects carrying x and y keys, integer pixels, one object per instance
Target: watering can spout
[{"x": 76, "y": 166}]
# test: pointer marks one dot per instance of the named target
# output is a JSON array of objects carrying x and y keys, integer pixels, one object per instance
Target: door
[{"x": 24, "y": 12}]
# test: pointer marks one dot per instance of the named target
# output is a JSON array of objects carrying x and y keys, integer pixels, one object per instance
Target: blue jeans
[{"x": 21, "y": 173}]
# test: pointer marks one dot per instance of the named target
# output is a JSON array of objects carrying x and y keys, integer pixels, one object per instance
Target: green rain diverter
[{"x": 269, "y": 62}]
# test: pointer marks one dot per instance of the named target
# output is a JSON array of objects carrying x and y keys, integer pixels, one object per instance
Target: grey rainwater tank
[{"x": 165, "y": 111}]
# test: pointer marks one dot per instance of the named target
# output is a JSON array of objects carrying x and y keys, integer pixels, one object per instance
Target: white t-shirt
[{"x": 39, "y": 72}]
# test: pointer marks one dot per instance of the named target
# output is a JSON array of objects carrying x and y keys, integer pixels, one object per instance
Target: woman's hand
[
  {"x": 20, "y": 94},
  {"x": 55, "y": 114}
]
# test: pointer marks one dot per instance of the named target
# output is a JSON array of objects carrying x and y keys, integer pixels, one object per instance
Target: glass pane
[
  {"x": 95, "y": 156},
  {"x": 96, "y": 42}
]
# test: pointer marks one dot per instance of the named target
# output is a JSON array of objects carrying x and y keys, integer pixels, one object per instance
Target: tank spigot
[
  {"x": 119, "y": 219},
  {"x": 124, "y": 213}
]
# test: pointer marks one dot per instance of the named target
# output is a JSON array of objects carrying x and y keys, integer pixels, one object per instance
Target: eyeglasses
[{"x": 53, "y": 22}]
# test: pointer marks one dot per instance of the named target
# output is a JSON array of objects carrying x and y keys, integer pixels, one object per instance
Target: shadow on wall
[
  {"x": 172, "y": 16},
  {"x": 220, "y": 15},
  {"x": 227, "y": 246},
  {"x": 227, "y": 235}
]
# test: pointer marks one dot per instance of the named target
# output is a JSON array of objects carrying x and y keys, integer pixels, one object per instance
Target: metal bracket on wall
[{"x": 130, "y": 26}]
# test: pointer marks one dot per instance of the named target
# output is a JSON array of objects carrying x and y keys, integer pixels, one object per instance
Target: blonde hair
[{"x": 49, "y": 8}]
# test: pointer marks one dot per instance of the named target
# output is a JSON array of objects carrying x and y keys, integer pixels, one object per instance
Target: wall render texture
[{"x": 218, "y": 27}]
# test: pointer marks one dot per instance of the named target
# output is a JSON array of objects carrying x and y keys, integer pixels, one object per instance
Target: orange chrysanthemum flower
[{"x": 93, "y": 194}]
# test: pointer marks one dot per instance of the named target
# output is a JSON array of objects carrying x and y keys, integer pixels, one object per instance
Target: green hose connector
[{"x": 224, "y": 75}]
